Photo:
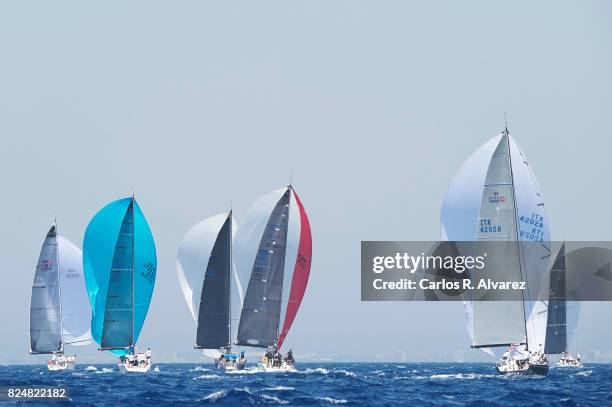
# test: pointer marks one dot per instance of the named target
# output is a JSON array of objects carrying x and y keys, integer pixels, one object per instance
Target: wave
[
  {"x": 274, "y": 399},
  {"x": 207, "y": 377},
  {"x": 104, "y": 370},
  {"x": 251, "y": 370},
  {"x": 323, "y": 371},
  {"x": 278, "y": 388},
  {"x": 459, "y": 376},
  {"x": 199, "y": 369},
  {"x": 156, "y": 370},
  {"x": 585, "y": 373},
  {"x": 216, "y": 395},
  {"x": 91, "y": 368},
  {"x": 332, "y": 400}
]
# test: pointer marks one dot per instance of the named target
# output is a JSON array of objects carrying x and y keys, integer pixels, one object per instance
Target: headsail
[
  {"x": 274, "y": 247},
  {"x": 208, "y": 280},
  {"x": 120, "y": 266},
  {"x": 45, "y": 306}
]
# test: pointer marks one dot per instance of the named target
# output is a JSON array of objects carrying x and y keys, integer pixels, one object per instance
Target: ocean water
[{"x": 327, "y": 384}]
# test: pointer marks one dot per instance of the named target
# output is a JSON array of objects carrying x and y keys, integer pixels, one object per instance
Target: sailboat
[
  {"x": 205, "y": 273},
  {"x": 120, "y": 268},
  {"x": 274, "y": 247},
  {"x": 557, "y": 335},
  {"x": 495, "y": 198},
  {"x": 59, "y": 311}
]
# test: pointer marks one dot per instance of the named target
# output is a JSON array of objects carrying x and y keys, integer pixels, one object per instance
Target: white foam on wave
[
  {"x": 216, "y": 395},
  {"x": 104, "y": 370},
  {"x": 332, "y": 400},
  {"x": 207, "y": 377},
  {"x": 156, "y": 370},
  {"x": 278, "y": 388},
  {"x": 274, "y": 399},
  {"x": 585, "y": 373},
  {"x": 459, "y": 376},
  {"x": 250, "y": 370},
  {"x": 323, "y": 371},
  {"x": 199, "y": 369},
  {"x": 91, "y": 368}
]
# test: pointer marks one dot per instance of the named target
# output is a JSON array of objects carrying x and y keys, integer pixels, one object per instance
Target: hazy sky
[{"x": 374, "y": 105}]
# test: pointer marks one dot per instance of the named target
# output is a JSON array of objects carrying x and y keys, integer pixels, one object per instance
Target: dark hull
[{"x": 532, "y": 370}]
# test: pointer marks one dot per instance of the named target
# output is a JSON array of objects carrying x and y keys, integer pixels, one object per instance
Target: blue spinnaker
[{"x": 120, "y": 265}]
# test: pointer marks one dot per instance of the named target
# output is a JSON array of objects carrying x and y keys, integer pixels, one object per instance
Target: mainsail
[
  {"x": 59, "y": 311},
  {"x": 556, "y": 326},
  {"x": 208, "y": 280},
  {"x": 495, "y": 197},
  {"x": 274, "y": 247},
  {"x": 45, "y": 308},
  {"x": 120, "y": 267}
]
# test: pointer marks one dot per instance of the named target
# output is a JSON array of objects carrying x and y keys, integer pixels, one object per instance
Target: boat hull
[
  {"x": 569, "y": 365},
  {"x": 126, "y": 368},
  {"x": 56, "y": 367},
  {"x": 532, "y": 369},
  {"x": 283, "y": 368}
]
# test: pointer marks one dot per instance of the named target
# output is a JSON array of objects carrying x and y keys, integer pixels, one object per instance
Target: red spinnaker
[{"x": 301, "y": 272}]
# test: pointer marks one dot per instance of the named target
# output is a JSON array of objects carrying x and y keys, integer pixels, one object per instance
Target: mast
[
  {"x": 229, "y": 287},
  {"x": 133, "y": 278},
  {"x": 59, "y": 289},
  {"x": 516, "y": 224}
]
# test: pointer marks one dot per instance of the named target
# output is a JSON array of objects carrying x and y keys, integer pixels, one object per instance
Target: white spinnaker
[
  {"x": 461, "y": 204},
  {"x": 192, "y": 261},
  {"x": 460, "y": 214},
  {"x": 461, "y": 208},
  {"x": 76, "y": 310}
]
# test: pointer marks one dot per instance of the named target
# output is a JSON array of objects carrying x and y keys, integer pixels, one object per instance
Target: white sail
[
  {"x": 460, "y": 214},
  {"x": 76, "y": 310}
]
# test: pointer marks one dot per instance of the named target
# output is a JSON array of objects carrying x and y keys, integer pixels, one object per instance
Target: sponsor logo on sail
[{"x": 497, "y": 198}]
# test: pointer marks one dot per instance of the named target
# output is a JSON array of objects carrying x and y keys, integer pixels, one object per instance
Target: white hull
[
  {"x": 284, "y": 367},
  {"x": 143, "y": 364},
  {"x": 231, "y": 367},
  {"x": 569, "y": 363},
  {"x": 61, "y": 363},
  {"x": 527, "y": 369},
  {"x": 127, "y": 368},
  {"x": 65, "y": 366}
]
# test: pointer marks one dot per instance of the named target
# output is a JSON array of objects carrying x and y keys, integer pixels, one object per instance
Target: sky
[{"x": 372, "y": 105}]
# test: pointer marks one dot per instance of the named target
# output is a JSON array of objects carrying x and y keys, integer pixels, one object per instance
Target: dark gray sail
[
  {"x": 499, "y": 323},
  {"x": 556, "y": 325},
  {"x": 214, "y": 314},
  {"x": 45, "y": 308},
  {"x": 118, "y": 330},
  {"x": 260, "y": 316}
]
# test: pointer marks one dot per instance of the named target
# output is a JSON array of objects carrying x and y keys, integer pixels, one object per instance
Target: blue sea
[{"x": 320, "y": 384}]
